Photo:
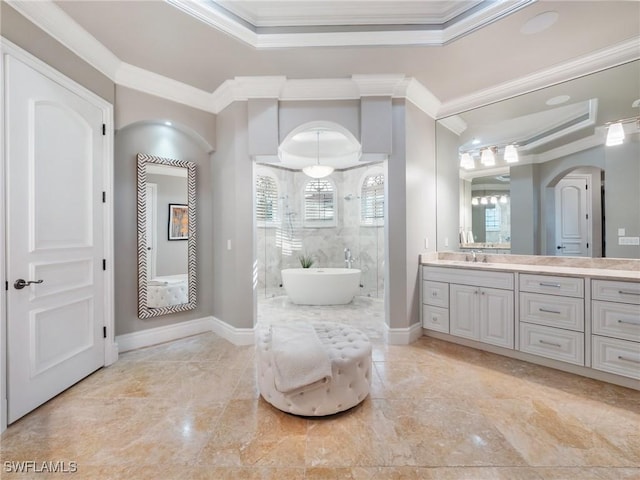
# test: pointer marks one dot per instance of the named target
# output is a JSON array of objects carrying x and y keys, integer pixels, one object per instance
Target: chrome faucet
[{"x": 348, "y": 260}]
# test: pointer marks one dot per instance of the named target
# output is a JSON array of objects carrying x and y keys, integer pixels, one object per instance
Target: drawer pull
[
  {"x": 544, "y": 342},
  {"x": 627, "y": 292},
  {"x": 546, "y": 310},
  {"x": 629, "y": 322},
  {"x": 627, "y": 359},
  {"x": 547, "y": 284}
]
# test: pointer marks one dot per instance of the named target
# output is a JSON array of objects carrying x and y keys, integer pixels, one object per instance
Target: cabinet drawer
[
  {"x": 553, "y": 285},
  {"x": 469, "y": 276},
  {"x": 435, "y": 293},
  {"x": 625, "y": 292},
  {"x": 616, "y": 356},
  {"x": 435, "y": 318},
  {"x": 618, "y": 320},
  {"x": 563, "y": 345},
  {"x": 553, "y": 311}
]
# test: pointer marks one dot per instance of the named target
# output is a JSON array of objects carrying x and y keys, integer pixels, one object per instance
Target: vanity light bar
[
  {"x": 488, "y": 156},
  {"x": 615, "y": 131}
]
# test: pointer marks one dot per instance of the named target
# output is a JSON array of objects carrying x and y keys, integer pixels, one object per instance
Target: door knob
[{"x": 21, "y": 283}]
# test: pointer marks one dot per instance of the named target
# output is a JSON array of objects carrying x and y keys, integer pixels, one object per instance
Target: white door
[
  {"x": 572, "y": 217},
  {"x": 55, "y": 235}
]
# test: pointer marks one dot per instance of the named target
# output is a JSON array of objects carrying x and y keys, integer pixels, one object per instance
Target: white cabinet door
[
  {"x": 496, "y": 317},
  {"x": 464, "y": 319}
]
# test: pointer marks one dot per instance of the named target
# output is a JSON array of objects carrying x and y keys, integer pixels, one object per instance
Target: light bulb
[
  {"x": 615, "y": 134},
  {"x": 488, "y": 158}
]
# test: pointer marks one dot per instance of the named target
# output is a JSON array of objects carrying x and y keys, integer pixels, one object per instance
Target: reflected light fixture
[
  {"x": 493, "y": 200},
  {"x": 503, "y": 199},
  {"x": 466, "y": 161},
  {"x": 484, "y": 201},
  {"x": 488, "y": 157},
  {"x": 510, "y": 154},
  {"x": 615, "y": 134},
  {"x": 317, "y": 170},
  {"x": 475, "y": 201}
]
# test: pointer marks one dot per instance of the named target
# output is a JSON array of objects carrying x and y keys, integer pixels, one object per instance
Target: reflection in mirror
[
  {"x": 166, "y": 236},
  {"x": 570, "y": 191}
]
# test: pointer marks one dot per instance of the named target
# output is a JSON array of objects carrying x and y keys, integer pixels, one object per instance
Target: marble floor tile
[{"x": 191, "y": 409}]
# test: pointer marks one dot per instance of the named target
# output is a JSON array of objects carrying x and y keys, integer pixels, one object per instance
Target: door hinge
[
  {"x": 6, "y": 285},
  {"x": 104, "y": 264},
  {"x": 587, "y": 216},
  {"x": 104, "y": 197},
  {"x": 104, "y": 332},
  {"x": 587, "y": 244},
  {"x": 104, "y": 129},
  {"x": 586, "y": 187}
]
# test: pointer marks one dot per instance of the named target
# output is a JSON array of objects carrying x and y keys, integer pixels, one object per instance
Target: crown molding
[
  {"x": 415, "y": 92},
  {"x": 454, "y": 123},
  {"x": 377, "y": 85},
  {"x": 54, "y": 21},
  {"x": 148, "y": 82},
  {"x": 266, "y": 37},
  {"x": 600, "y": 60}
]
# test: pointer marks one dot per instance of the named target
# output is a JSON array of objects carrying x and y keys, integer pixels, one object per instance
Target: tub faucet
[{"x": 348, "y": 260}]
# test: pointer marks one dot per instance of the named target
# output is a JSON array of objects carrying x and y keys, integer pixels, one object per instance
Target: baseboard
[
  {"x": 403, "y": 336},
  {"x": 237, "y": 336},
  {"x": 153, "y": 336}
]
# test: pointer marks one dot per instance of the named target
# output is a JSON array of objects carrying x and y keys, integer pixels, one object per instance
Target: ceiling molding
[
  {"x": 454, "y": 123},
  {"x": 377, "y": 85},
  {"x": 600, "y": 60},
  {"x": 357, "y": 35},
  {"x": 154, "y": 84},
  {"x": 415, "y": 92},
  {"x": 54, "y": 21}
]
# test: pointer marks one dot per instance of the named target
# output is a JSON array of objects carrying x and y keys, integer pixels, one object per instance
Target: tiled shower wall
[{"x": 280, "y": 245}]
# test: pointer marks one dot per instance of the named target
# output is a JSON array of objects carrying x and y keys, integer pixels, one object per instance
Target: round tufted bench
[{"x": 350, "y": 353}]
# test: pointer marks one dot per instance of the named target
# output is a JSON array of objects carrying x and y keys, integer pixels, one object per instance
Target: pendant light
[
  {"x": 615, "y": 134},
  {"x": 317, "y": 170},
  {"x": 466, "y": 161},
  {"x": 487, "y": 157},
  {"x": 510, "y": 154}
]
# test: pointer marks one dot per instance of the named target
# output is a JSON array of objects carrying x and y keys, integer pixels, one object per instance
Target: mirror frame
[{"x": 144, "y": 311}]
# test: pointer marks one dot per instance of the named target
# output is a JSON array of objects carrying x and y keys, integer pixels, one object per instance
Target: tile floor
[{"x": 190, "y": 409}]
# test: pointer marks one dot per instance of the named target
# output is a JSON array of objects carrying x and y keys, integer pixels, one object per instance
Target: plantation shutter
[
  {"x": 266, "y": 199},
  {"x": 372, "y": 200},
  {"x": 319, "y": 198}
]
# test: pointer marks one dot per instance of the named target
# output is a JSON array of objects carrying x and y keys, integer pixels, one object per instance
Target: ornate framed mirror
[{"x": 166, "y": 236}]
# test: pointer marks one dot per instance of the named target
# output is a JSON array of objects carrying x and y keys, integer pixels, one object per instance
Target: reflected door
[
  {"x": 55, "y": 221},
  {"x": 572, "y": 217}
]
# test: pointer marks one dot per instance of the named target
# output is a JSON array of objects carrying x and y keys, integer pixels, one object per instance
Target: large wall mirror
[
  {"x": 166, "y": 236},
  {"x": 539, "y": 174}
]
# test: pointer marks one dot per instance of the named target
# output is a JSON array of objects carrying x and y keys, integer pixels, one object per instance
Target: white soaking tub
[{"x": 321, "y": 286}]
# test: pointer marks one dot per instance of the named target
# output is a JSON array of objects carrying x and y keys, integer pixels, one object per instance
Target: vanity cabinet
[
  {"x": 484, "y": 314},
  {"x": 615, "y": 315},
  {"x": 435, "y": 306},
  {"x": 479, "y": 305},
  {"x": 552, "y": 317}
]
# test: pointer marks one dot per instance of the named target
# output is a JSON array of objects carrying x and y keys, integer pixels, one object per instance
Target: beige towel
[{"x": 300, "y": 360}]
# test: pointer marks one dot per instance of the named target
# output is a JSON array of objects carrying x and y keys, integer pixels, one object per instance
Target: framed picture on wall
[{"x": 178, "y": 221}]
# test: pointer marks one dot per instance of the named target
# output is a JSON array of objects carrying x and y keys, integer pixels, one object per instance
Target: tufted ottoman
[{"x": 350, "y": 353}]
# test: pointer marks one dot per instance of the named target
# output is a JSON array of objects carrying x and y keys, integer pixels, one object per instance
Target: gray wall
[
  {"x": 622, "y": 196},
  {"x": 525, "y": 212},
  {"x": 171, "y": 254},
  {"x": 234, "y": 297},
  {"x": 22, "y": 32},
  {"x": 448, "y": 189},
  {"x": 168, "y": 142}
]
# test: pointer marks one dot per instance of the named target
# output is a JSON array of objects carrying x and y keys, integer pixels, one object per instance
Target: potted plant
[{"x": 306, "y": 261}]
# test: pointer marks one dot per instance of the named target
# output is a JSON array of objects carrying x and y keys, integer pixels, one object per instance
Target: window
[
  {"x": 492, "y": 219},
  {"x": 266, "y": 200},
  {"x": 319, "y": 203},
  {"x": 372, "y": 200}
]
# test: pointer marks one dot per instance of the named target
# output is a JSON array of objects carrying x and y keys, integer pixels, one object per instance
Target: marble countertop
[{"x": 541, "y": 269}]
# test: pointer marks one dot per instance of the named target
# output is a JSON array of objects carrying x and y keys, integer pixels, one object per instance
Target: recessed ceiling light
[
  {"x": 475, "y": 141},
  {"x": 539, "y": 23},
  {"x": 558, "y": 100},
  {"x": 168, "y": 124}
]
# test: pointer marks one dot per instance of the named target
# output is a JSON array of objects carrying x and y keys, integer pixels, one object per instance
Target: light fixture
[
  {"x": 475, "y": 201},
  {"x": 466, "y": 161},
  {"x": 615, "y": 134},
  {"x": 503, "y": 199},
  {"x": 488, "y": 157},
  {"x": 484, "y": 201},
  {"x": 493, "y": 200},
  {"x": 317, "y": 170},
  {"x": 510, "y": 154}
]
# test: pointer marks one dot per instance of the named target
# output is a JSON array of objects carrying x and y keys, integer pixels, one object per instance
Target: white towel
[{"x": 300, "y": 360}]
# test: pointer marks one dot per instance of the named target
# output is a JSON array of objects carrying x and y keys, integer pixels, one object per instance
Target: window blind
[
  {"x": 372, "y": 200},
  {"x": 266, "y": 199},
  {"x": 319, "y": 200}
]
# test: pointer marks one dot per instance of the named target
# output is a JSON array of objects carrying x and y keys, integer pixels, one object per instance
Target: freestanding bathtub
[{"x": 321, "y": 286}]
